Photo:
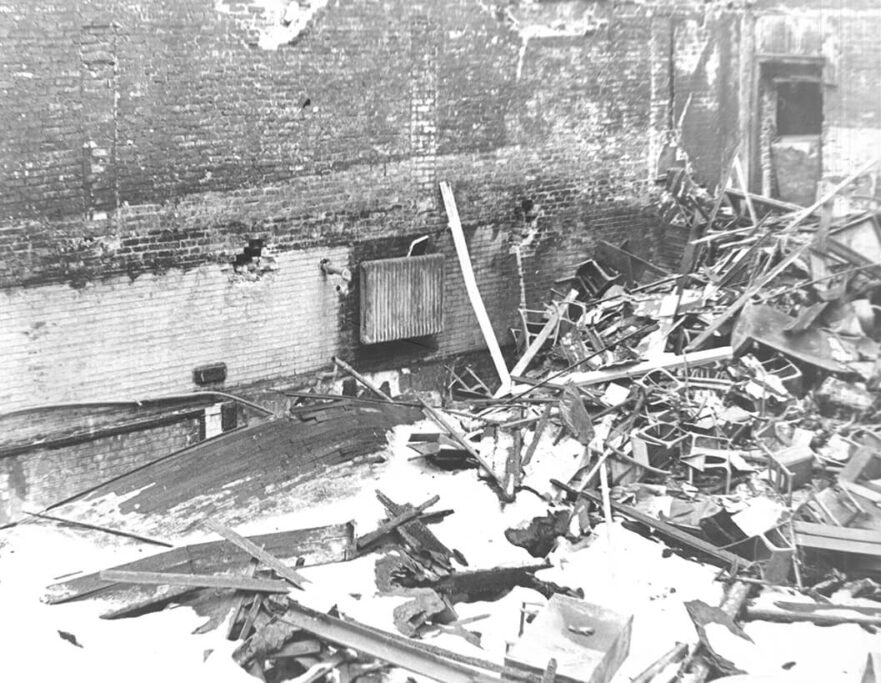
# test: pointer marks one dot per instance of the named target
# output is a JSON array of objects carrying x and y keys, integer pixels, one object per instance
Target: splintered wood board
[{"x": 321, "y": 545}]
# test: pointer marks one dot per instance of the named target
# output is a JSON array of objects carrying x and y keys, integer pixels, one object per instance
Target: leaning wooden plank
[
  {"x": 663, "y": 528},
  {"x": 394, "y": 523},
  {"x": 196, "y": 580},
  {"x": 541, "y": 337},
  {"x": 664, "y": 362},
  {"x": 343, "y": 365},
  {"x": 441, "y": 421},
  {"x": 757, "y": 286},
  {"x": 471, "y": 285},
  {"x": 257, "y": 552},
  {"x": 321, "y": 545}
]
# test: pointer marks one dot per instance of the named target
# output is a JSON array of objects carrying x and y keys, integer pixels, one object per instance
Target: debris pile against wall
[{"x": 727, "y": 407}]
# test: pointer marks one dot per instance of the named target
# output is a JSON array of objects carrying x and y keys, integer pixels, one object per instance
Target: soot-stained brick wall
[
  {"x": 149, "y": 143},
  {"x": 51, "y": 453},
  {"x": 38, "y": 478}
]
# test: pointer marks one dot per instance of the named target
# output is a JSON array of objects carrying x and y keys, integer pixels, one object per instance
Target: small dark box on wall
[{"x": 209, "y": 374}]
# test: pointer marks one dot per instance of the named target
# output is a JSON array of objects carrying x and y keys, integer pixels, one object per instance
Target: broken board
[{"x": 320, "y": 545}]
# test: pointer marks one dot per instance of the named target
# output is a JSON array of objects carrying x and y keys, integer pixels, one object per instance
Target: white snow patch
[{"x": 614, "y": 568}]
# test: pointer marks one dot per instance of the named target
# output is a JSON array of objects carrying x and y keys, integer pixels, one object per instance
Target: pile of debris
[{"x": 730, "y": 409}]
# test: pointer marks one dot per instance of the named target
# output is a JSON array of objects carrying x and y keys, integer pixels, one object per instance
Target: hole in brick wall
[
  {"x": 531, "y": 212},
  {"x": 254, "y": 261}
]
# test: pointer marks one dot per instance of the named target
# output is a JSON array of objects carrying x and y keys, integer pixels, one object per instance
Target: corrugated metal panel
[{"x": 402, "y": 298}]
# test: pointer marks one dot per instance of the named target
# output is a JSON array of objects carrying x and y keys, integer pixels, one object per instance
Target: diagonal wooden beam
[
  {"x": 257, "y": 552},
  {"x": 471, "y": 285}
]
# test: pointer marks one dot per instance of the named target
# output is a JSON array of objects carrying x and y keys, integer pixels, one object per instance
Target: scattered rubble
[{"x": 718, "y": 425}]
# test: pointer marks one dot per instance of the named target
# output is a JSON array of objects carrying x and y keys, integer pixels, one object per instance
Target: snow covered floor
[{"x": 615, "y": 568}]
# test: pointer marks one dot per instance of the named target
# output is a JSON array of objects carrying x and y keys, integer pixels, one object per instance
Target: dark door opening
[{"x": 790, "y": 129}]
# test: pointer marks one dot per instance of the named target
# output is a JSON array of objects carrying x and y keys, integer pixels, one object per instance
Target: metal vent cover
[{"x": 402, "y": 298}]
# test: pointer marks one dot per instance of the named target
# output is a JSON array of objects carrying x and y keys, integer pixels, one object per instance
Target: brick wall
[
  {"x": 31, "y": 481},
  {"x": 149, "y": 144}
]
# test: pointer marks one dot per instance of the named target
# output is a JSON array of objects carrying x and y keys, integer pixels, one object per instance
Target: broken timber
[
  {"x": 343, "y": 365},
  {"x": 139, "y": 607},
  {"x": 769, "y": 202},
  {"x": 394, "y": 523},
  {"x": 541, "y": 337},
  {"x": 321, "y": 545},
  {"x": 663, "y": 528},
  {"x": 751, "y": 291},
  {"x": 257, "y": 552},
  {"x": 840, "y": 539},
  {"x": 418, "y": 536},
  {"x": 427, "y": 660},
  {"x": 663, "y": 362},
  {"x": 441, "y": 422},
  {"x": 195, "y": 580},
  {"x": 820, "y": 614}
]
